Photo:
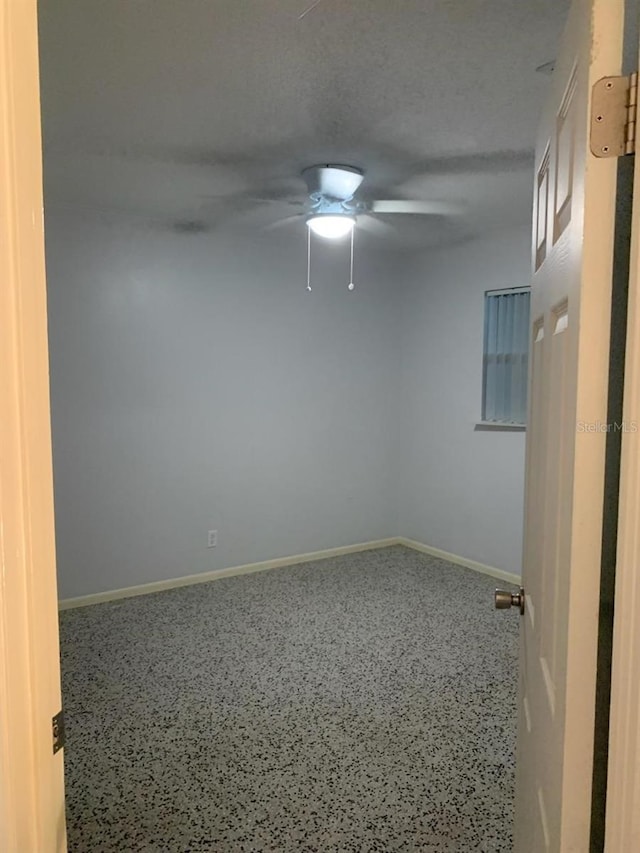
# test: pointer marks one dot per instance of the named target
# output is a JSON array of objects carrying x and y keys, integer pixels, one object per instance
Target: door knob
[{"x": 505, "y": 599}]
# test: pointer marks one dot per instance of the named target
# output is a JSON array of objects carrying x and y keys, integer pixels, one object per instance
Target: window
[{"x": 506, "y": 356}]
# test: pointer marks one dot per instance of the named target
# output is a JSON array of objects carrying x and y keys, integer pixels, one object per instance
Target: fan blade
[
  {"x": 414, "y": 206},
  {"x": 291, "y": 202},
  {"x": 282, "y": 223},
  {"x": 375, "y": 226},
  {"x": 258, "y": 199},
  {"x": 191, "y": 226}
]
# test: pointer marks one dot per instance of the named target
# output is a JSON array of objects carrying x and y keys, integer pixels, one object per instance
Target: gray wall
[
  {"x": 461, "y": 490},
  {"x": 196, "y": 385},
  {"x": 196, "y": 388}
]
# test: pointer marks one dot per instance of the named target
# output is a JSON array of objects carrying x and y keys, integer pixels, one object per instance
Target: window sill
[{"x": 496, "y": 426}]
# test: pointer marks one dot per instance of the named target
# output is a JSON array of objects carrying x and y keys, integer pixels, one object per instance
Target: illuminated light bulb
[{"x": 332, "y": 226}]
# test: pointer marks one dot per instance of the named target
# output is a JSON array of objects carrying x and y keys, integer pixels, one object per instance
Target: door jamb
[
  {"x": 623, "y": 788},
  {"x": 31, "y": 777}
]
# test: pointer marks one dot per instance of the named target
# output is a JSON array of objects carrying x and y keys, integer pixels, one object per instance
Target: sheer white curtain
[{"x": 506, "y": 355}]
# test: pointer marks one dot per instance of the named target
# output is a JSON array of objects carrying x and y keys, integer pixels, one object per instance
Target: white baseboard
[
  {"x": 509, "y": 577},
  {"x": 250, "y": 568},
  {"x": 205, "y": 577}
]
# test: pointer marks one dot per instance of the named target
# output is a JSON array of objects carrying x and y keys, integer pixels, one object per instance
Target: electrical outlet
[{"x": 212, "y": 539}]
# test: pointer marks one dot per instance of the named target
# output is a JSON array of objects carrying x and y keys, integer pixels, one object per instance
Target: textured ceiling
[{"x": 172, "y": 112}]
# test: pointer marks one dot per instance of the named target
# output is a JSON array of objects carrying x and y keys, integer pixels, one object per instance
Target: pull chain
[
  {"x": 351, "y": 284},
  {"x": 309, "y": 259}
]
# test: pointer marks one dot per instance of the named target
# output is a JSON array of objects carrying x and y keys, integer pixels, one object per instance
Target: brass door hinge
[
  {"x": 57, "y": 731},
  {"x": 614, "y": 108}
]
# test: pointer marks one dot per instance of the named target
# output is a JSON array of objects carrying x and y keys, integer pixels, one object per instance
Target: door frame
[
  {"x": 31, "y": 789},
  {"x": 623, "y": 782},
  {"x": 31, "y": 776}
]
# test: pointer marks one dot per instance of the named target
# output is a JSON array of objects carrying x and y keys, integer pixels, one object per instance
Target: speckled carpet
[{"x": 362, "y": 703}]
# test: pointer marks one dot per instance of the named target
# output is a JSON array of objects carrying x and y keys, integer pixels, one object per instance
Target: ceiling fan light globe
[{"x": 331, "y": 226}]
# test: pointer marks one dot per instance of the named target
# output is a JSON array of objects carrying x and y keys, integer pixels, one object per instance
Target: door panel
[{"x": 572, "y": 251}]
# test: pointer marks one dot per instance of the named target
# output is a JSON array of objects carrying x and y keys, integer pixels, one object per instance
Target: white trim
[
  {"x": 499, "y": 426},
  {"x": 32, "y": 813},
  {"x": 508, "y": 577},
  {"x": 205, "y": 577},
  {"x": 281, "y": 562},
  {"x": 501, "y": 291}
]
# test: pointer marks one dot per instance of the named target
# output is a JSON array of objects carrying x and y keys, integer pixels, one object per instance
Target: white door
[
  {"x": 31, "y": 777},
  {"x": 574, "y": 213}
]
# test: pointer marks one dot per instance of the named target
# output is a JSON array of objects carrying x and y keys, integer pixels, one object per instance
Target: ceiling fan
[{"x": 332, "y": 208}]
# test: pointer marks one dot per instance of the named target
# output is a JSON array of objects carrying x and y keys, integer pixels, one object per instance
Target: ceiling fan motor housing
[{"x": 333, "y": 182}]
